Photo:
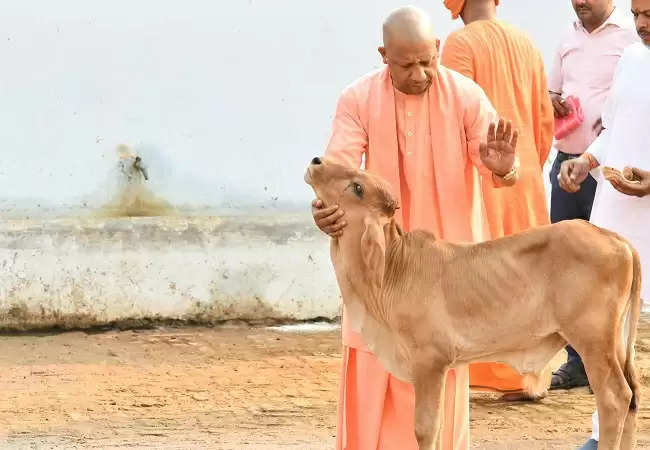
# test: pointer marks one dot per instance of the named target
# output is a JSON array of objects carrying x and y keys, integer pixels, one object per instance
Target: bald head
[
  {"x": 410, "y": 49},
  {"x": 408, "y": 24}
]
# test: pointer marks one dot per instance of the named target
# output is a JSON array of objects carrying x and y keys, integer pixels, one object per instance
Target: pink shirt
[{"x": 584, "y": 66}]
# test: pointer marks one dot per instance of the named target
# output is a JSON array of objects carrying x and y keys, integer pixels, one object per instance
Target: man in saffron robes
[
  {"x": 510, "y": 69},
  {"x": 430, "y": 132}
]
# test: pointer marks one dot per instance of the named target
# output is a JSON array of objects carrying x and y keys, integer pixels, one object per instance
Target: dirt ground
[{"x": 229, "y": 388}]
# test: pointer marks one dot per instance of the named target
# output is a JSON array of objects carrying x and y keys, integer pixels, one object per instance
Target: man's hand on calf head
[{"x": 329, "y": 220}]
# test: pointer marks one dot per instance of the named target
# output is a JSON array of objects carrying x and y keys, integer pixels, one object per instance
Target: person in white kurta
[
  {"x": 621, "y": 206},
  {"x": 625, "y": 142}
]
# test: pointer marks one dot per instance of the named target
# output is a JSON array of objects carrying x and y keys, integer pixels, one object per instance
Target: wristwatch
[{"x": 512, "y": 173}]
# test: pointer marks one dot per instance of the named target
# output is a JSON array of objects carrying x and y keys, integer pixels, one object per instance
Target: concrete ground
[{"x": 229, "y": 388}]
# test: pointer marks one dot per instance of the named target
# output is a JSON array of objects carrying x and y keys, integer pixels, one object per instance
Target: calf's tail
[{"x": 631, "y": 323}]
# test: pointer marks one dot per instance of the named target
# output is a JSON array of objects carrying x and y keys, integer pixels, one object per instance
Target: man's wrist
[
  {"x": 591, "y": 159},
  {"x": 512, "y": 173}
]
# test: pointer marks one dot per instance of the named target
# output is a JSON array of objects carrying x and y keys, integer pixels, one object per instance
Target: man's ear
[
  {"x": 382, "y": 52},
  {"x": 373, "y": 253}
]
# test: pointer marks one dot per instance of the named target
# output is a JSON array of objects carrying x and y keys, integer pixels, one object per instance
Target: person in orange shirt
[
  {"x": 505, "y": 63},
  {"x": 431, "y": 133}
]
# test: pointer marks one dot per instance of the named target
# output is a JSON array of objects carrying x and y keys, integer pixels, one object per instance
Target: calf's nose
[{"x": 316, "y": 161}]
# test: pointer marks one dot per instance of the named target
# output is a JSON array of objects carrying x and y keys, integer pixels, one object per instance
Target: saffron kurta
[
  {"x": 505, "y": 63},
  {"x": 426, "y": 146}
]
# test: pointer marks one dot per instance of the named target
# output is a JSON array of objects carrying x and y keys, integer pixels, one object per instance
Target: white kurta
[{"x": 626, "y": 142}]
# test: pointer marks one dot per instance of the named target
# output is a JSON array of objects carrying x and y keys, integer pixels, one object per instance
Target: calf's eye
[{"x": 358, "y": 189}]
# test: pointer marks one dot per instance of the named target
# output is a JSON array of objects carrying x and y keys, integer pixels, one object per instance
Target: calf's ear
[{"x": 373, "y": 254}]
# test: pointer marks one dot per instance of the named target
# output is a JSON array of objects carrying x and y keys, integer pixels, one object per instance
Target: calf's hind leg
[
  {"x": 613, "y": 396},
  {"x": 628, "y": 441}
]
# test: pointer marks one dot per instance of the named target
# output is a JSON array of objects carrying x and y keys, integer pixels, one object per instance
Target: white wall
[
  {"x": 86, "y": 272},
  {"x": 225, "y": 101}
]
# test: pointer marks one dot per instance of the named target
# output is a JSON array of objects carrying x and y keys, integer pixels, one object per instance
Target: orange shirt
[{"x": 505, "y": 63}]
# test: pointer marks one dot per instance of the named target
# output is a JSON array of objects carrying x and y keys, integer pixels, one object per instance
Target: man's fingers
[
  {"x": 618, "y": 187},
  {"x": 567, "y": 179},
  {"x": 616, "y": 183},
  {"x": 317, "y": 203},
  {"x": 329, "y": 220},
  {"x": 639, "y": 175},
  {"x": 499, "y": 136},
  {"x": 515, "y": 137},
  {"x": 633, "y": 189},
  {"x": 490, "y": 136},
  {"x": 565, "y": 171},
  {"x": 567, "y": 185},
  {"x": 556, "y": 107},
  {"x": 565, "y": 107},
  {"x": 578, "y": 173},
  {"x": 335, "y": 228},
  {"x": 624, "y": 188},
  {"x": 320, "y": 214},
  {"x": 560, "y": 106},
  {"x": 507, "y": 134},
  {"x": 570, "y": 188}
]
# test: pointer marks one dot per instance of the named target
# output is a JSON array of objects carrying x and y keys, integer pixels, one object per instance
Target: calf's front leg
[{"x": 429, "y": 387}]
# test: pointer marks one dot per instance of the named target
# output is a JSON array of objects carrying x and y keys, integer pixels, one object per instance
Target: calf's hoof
[{"x": 522, "y": 397}]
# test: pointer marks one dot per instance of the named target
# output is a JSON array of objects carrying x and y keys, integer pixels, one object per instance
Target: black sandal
[{"x": 569, "y": 376}]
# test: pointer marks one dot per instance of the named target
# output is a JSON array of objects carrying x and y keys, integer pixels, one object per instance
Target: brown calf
[{"x": 424, "y": 306}]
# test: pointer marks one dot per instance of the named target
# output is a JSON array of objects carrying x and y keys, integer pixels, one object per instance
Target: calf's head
[{"x": 369, "y": 207}]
